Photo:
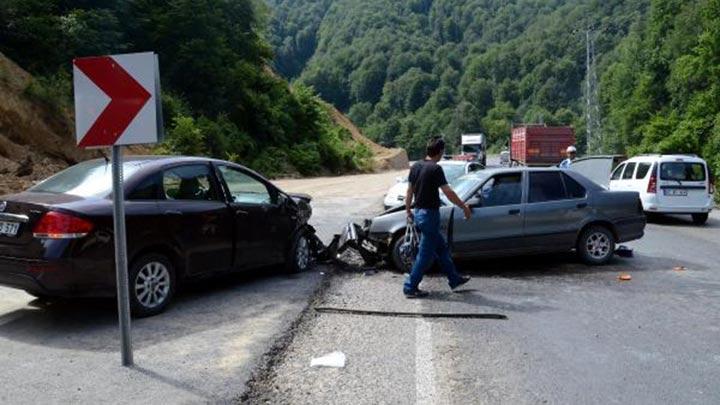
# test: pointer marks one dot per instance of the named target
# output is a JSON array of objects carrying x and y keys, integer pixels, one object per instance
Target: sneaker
[
  {"x": 416, "y": 294},
  {"x": 463, "y": 280}
]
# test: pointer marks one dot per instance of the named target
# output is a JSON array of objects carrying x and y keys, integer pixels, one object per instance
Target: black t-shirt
[{"x": 427, "y": 177}]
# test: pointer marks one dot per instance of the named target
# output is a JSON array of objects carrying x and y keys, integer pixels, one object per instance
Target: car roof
[
  {"x": 453, "y": 162},
  {"x": 665, "y": 158}
]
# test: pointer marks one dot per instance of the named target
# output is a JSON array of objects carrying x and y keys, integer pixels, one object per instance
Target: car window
[
  {"x": 629, "y": 171},
  {"x": 573, "y": 188},
  {"x": 503, "y": 189},
  {"x": 618, "y": 172},
  {"x": 192, "y": 182},
  {"x": 149, "y": 188},
  {"x": 546, "y": 186},
  {"x": 92, "y": 178},
  {"x": 245, "y": 189},
  {"x": 642, "y": 170},
  {"x": 682, "y": 171}
]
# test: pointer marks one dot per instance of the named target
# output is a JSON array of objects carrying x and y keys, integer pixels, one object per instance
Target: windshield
[
  {"x": 682, "y": 171},
  {"x": 463, "y": 186},
  {"x": 472, "y": 149},
  {"x": 87, "y": 179},
  {"x": 453, "y": 171}
]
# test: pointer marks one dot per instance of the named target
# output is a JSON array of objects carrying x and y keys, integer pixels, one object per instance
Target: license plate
[
  {"x": 676, "y": 193},
  {"x": 9, "y": 228}
]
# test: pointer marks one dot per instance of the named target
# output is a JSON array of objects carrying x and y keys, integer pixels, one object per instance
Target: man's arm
[
  {"x": 409, "y": 199},
  {"x": 453, "y": 197}
]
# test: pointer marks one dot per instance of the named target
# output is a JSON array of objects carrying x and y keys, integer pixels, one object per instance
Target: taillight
[
  {"x": 57, "y": 225},
  {"x": 652, "y": 184}
]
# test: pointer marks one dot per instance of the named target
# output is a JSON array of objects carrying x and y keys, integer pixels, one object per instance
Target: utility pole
[{"x": 592, "y": 104}]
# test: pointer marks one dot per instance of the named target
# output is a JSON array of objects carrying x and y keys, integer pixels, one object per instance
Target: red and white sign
[{"x": 117, "y": 100}]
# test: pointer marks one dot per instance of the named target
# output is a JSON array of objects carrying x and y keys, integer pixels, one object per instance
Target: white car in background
[
  {"x": 452, "y": 168},
  {"x": 668, "y": 184}
]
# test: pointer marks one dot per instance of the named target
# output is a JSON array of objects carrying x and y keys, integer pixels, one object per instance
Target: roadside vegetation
[{"x": 220, "y": 98}]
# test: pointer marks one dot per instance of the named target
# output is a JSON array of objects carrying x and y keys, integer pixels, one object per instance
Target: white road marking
[{"x": 425, "y": 392}]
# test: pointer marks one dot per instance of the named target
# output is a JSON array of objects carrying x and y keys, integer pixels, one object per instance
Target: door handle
[
  {"x": 514, "y": 212},
  {"x": 582, "y": 205},
  {"x": 240, "y": 212},
  {"x": 173, "y": 212}
]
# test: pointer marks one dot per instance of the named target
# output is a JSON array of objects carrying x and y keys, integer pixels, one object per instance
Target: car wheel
[
  {"x": 596, "y": 245},
  {"x": 152, "y": 285},
  {"x": 299, "y": 258},
  {"x": 699, "y": 219},
  {"x": 394, "y": 255}
]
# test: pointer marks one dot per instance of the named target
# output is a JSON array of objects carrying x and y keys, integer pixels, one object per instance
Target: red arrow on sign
[{"x": 127, "y": 98}]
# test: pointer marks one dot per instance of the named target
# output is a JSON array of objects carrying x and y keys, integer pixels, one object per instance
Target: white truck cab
[{"x": 669, "y": 184}]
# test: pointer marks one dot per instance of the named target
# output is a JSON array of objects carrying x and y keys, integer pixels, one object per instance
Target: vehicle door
[
  {"x": 196, "y": 217},
  {"x": 642, "y": 175},
  {"x": 497, "y": 221},
  {"x": 683, "y": 183},
  {"x": 263, "y": 225},
  {"x": 556, "y": 207},
  {"x": 615, "y": 178}
]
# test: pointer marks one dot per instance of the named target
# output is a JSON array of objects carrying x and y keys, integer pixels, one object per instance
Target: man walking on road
[{"x": 426, "y": 177}]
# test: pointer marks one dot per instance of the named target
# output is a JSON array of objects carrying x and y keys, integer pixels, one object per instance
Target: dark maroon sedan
[{"x": 186, "y": 218}]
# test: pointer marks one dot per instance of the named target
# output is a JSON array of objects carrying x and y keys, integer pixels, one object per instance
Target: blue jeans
[{"x": 432, "y": 247}]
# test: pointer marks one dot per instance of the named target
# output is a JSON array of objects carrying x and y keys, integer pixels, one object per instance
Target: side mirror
[{"x": 475, "y": 201}]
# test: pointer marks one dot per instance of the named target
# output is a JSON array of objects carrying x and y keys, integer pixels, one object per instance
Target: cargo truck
[
  {"x": 473, "y": 148},
  {"x": 539, "y": 145}
]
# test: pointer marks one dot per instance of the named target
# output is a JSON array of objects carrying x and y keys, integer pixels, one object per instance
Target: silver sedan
[{"x": 525, "y": 211}]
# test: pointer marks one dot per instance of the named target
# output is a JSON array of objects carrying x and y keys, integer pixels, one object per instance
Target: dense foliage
[
  {"x": 220, "y": 98},
  {"x": 661, "y": 92},
  {"x": 407, "y": 70}
]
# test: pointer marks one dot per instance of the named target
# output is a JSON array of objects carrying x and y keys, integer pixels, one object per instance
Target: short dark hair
[{"x": 435, "y": 146}]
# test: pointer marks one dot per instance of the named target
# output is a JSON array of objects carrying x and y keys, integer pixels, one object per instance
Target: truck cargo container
[{"x": 540, "y": 145}]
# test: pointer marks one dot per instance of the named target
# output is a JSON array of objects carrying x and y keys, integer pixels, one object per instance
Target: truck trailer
[{"x": 539, "y": 145}]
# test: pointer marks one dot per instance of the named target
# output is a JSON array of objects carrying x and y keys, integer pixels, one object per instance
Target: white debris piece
[{"x": 334, "y": 359}]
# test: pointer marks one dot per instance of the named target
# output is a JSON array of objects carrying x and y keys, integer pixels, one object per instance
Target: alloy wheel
[
  {"x": 598, "y": 245},
  {"x": 152, "y": 284}
]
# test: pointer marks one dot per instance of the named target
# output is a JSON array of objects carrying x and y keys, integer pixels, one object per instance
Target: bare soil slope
[
  {"x": 384, "y": 158},
  {"x": 36, "y": 139}
]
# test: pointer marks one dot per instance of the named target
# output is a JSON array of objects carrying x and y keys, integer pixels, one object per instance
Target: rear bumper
[
  {"x": 630, "y": 228},
  {"x": 53, "y": 278},
  {"x": 652, "y": 205}
]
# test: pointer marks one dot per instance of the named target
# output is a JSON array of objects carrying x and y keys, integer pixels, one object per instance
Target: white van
[{"x": 671, "y": 184}]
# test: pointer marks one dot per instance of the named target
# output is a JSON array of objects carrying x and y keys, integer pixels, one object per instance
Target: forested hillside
[
  {"x": 219, "y": 96},
  {"x": 407, "y": 70},
  {"x": 661, "y": 88}
]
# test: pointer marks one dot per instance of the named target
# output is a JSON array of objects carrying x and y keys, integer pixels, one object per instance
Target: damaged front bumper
[{"x": 353, "y": 236}]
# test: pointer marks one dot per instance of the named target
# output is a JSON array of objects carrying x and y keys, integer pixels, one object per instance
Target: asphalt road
[{"x": 574, "y": 333}]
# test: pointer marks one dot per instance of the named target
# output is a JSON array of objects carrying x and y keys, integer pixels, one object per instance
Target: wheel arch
[
  {"x": 165, "y": 250},
  {"x": 598, "y": 222}
]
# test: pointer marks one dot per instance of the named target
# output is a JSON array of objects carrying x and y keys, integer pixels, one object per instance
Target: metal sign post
[
  {"x": 121, "y": 270},
  {"x": 117, "y": 102}
]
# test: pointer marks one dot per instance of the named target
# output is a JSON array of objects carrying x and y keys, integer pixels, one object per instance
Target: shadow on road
[
  {"x": 681, "y": 220},
  {"x": 91, "y": 324}
]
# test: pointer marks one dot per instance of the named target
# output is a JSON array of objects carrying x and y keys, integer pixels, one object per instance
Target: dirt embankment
[
  {"x": 383, "y": 158},
  {"x": 36, "y": 139}
]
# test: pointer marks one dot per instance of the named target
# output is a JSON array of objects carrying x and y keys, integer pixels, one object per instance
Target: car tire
[
  {"x": 596, "y": 245},
  {"x": 298, "y": 258},
  {"x": 394, "y": 254},
  {"x": 700, "y": 219},
  {"x": 152, "y": 285}
]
